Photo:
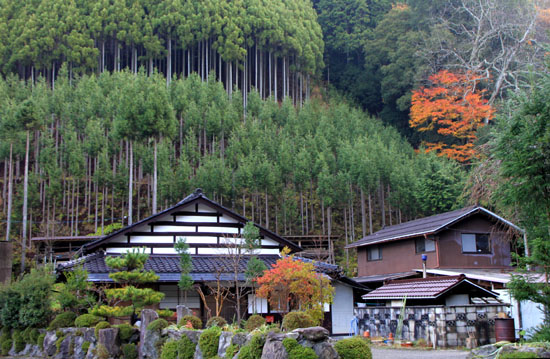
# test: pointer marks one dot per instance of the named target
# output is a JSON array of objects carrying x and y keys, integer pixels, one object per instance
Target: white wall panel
[
  {"x": 219, "y": 229},
  {"x": 151, "y": 239},
  {"x": 205, "y": 208},
  {"x": 201, "y": 240},
  {"x": 166, "y": 251},
  {"x": 227, "y": 219},
  {"x": 206, "y": 219},
  {"x": 166, "y": 228}
]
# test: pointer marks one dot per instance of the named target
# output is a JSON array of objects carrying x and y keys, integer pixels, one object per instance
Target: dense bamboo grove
[
  {"x": 118, "y": 147},
  {"x": 273, "y": 47}
]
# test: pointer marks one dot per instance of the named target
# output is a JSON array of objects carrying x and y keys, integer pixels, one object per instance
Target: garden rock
[
  {"x": 240, "y": 339},
  {"x": 182, "y": 311},
  {"x": 493, "y": 351},
  {"x": 225, "y": 341},
  {"x": 49, "y": 343},
  {"x": 78, "y": 352},
  {"x": 64, "y": 348},
  {"x": 314, "y": 334},
  {"x": 146, "y": 347},
  {"x": 273, "y": 348},
  {"x": 108, "y": 337},
  {"x": 325, "y": 350}
]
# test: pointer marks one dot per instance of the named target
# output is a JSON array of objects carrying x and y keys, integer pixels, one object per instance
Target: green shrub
[
  {"x": 40, "y": 340},
  {"x": 58, "y": 342},
  {"x": 254, "y": 322},
  {"x": 85, "y": 346},
  {"x": 295, "y": 320},
  {"x": 101, "y": 352},
  {"x": 5, "y": 334},
  {"x": 186, "y": 348},
  {"x": 63, "y": 320},
  {"x": 253, "y": 349},
  {"x": 231, "y": 350},
  {"x": 208, "y": 342},
  {"x": 99, "y": 326},
  {"x": 296, "y": 351},
  {"x": 217, "y": 321},
  {"x": 33, "y": 336},
  {"x": 541, "y": 334},
  {"x": 169, "y": 350},
  {"x": 87, "y": 320},
  {"x": 352, "y": 348},
  {"x": 6, "y": 346},
  {"x": 18, "y": 341},
  {"x": 518, "y": 355},
  {"x": 195, "y": 321},
  {"x": 26, "y": 335},
  {"x": 157, "y": 325},
  {"x": 129, "y": 351},
  {"x": 27, "y": 302},
  {"x": 125, "y": 331}
]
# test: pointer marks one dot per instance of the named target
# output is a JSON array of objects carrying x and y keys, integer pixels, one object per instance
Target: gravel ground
[{"x": 390, "y": 353}]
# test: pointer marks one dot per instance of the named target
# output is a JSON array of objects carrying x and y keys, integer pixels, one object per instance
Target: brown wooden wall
[
  {"x": 450, "y": 244},
  {"x": 398, "y": 256}
]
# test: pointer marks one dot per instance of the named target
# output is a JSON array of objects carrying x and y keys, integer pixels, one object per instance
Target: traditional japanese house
[{"x": 212, "y": 232}]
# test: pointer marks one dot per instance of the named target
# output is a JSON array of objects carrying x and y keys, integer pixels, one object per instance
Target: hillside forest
[{"x": 331, "y": 118}]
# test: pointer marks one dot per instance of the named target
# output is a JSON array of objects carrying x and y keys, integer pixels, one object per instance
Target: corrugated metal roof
[
  {"x": 423, "y": 288},
  {"x": 425, "y": 226}
]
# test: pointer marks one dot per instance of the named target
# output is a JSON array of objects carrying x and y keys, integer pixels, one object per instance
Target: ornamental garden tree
[{"x": 129, "y": 273}]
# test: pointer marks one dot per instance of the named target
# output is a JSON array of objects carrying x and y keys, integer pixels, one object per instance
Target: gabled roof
[
  {"x": 204, "y": 267},
  {"x": 426, "y": 226},
  {"x": 425, "y": 288},
  {"x": 196, "y": 196}
]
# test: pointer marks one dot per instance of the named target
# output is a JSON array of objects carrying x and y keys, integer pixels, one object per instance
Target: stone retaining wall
[{"x": 448, "y": 326}]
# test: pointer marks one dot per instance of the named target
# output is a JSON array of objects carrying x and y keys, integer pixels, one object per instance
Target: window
[
  {"x": 424, "y": 245},
  {"x": 475, "y": 243},
  {"x": 374, "y": 253}
]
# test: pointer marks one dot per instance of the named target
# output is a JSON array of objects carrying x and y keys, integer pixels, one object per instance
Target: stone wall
[{"x": 448, "y": 326}]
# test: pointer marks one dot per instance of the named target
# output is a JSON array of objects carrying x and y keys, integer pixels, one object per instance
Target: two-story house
[{"x": 471, "y": 237}]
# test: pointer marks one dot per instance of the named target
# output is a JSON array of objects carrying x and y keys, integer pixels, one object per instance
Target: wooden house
[
  {"x": 212, "y": 232},
  {"x": 471, "y": 237}
]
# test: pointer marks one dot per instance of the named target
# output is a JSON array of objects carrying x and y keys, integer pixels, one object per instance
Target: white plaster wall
[{"x": 342, "y": 308}]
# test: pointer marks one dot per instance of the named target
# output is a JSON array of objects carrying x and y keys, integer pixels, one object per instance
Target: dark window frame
[
  {"x": 477, "y": 235},
  {"x": 416, "y": 241},
  {"x": 369, "y": 259}
]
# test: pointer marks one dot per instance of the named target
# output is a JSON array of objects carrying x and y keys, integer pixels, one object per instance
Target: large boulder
[
  {"x": 273, "y": 348},
  {"x": 225, "y": 341},
  {"x": 108, "y": 338},
  {"x": 146, "y": 347},
  {"x": 49, "y": 343},
  {"x": 313, "y": 334}
]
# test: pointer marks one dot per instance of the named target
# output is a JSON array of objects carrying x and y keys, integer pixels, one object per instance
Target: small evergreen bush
[
  {"x": 255, "y": 321},
  {"x": 63, "y": 320},
  {"x": 26, "y": 335},
  {"x": 99, "y": 326},
  {"x": 125, "y": 332},
  {"x": 87, "y": 320},
  {"x": 169, "y": 350},
  {"x": 541, "y": 334},
  {"x": 6, "y": 346},
  {"x": 296, "y": 351},
  {"x": 18, "y": 341},
  {"x": 217, "y": 321},
  {"x": 85, "y": 347},
  {"x": 186, "y": 348},
  {"x": 196, "y": 322},
  {"x": 40, "y": 340},
  {"x": 253, "y": 350},
  {"x": 58, "y": 343},
  {"x": 5, "y": 334},
  {"x": 157, "y": 325},
  {"x": 352, "y": 348},
  {"x": 129, "y": 351},
  {"x": 295, "y": 320},
  {"x": 33, "y": 336},
  {"x": 208, "y": 342},
  {"x": 231, "y": 351}
]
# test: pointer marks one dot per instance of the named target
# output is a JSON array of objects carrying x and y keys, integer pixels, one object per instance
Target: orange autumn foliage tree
[
  {"x": 452, "y": 110},
  {"x": 294, "y": 284}
]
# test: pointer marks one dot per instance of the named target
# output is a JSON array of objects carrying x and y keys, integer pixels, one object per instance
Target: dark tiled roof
[
  {"x": 422, "y": 288},
  {"x": 422, "y": 226},
  {"x": 204, "y": 267}
]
